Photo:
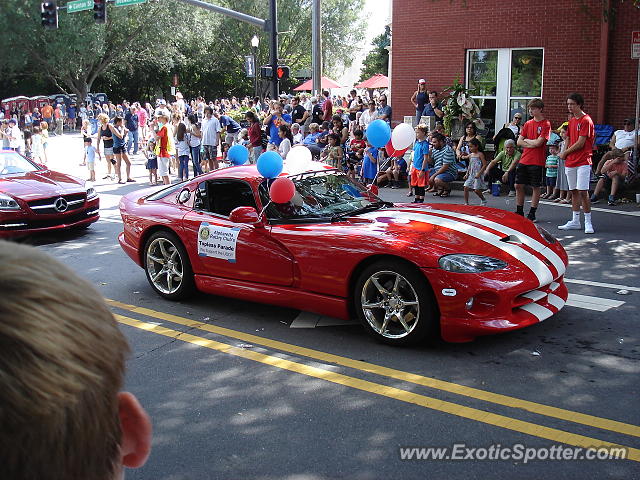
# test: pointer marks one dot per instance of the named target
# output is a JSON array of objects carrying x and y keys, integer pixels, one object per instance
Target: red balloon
[
  {"x": 392, "y": 152},
  {"x": 282, "y": 190}
]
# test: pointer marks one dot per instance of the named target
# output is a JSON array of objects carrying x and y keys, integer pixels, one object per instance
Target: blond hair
[
  {"x": 103, "y": 118},
  {"x": 61, "y": 368}
]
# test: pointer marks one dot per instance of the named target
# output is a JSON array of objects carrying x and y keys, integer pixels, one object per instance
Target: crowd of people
[{"x": 188, "y": 138}]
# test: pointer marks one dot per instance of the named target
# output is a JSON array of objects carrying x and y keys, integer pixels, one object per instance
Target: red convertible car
[
  {"x": 407, "y": 271},
  {"x": 35, "y": 199}
]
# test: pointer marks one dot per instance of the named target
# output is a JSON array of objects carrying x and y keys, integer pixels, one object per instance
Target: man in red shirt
[
  {"x": 327, "y": 106},
  {"x": 577, "y": 158},
  {"x": 530, "y": 169}
]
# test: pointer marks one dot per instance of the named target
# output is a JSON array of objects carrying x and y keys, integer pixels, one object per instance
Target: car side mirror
[
  {"x": 245, "y": 215},
  {"x": 373, "y": 189}
]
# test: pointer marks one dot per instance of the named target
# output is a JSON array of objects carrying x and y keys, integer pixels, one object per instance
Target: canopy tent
[
  {"x": 325, "y": 83},
  {"x": 377, "y": 81}
]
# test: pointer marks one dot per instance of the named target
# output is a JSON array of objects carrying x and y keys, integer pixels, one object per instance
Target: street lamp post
[{"x": 255, "y": 41}]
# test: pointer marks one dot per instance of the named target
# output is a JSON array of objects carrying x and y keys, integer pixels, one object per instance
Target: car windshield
[
  {"x": 320, "y": 195},
  {"x": 12, "y": 163}
]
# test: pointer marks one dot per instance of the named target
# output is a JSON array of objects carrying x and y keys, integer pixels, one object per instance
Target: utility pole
[
  {"x": 270, "y": 26},
  {"x": 316, "y": 49},
  {"x": 273, "y": 48}
]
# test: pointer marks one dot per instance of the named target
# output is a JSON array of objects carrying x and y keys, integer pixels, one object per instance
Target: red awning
[
  {"x": 326, "y": 83},
  {"x": 377, "y": 81}
]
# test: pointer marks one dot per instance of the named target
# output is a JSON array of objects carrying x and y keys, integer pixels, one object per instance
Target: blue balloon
[
  {"x": 378, "y": 133},
  {"x": 270, "y": 164},
  {"x": 238, "y": 155}
]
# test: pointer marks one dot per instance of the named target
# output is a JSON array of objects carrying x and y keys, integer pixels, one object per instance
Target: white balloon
[
  {"x": 403, "y": 136},
  {"x": 299, "y": 154}
]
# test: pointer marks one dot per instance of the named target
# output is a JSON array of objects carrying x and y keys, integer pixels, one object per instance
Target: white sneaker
[
  {"x": 512, "y": 194},
  {"x": 487, "y": 191},
  {"x": 570, "y": 225},
  {"x": 588, "y": 228},
  {"x": 483, "y": 203}
]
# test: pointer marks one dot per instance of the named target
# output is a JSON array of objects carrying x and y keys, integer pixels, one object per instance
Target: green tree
[
  {"x": 73, "y": 56},
  {"x": 377, "y": 60},
  {"x": 140, "y": 48}
]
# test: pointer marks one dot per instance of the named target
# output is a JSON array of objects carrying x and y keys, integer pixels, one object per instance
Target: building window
[{"x": 502, "y": 81}]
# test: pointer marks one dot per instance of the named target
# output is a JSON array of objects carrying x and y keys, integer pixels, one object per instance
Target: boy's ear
[{"x": 135, "y": 444}]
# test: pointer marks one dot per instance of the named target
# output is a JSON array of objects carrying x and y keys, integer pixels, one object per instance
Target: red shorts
[{"x": 416, "y": 180}]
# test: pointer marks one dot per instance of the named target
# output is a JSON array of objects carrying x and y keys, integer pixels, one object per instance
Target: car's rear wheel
[
  {"x": 167, "y": 266},
  {"x": 395, "y": 303}
]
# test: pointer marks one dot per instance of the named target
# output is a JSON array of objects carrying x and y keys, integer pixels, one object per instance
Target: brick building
[{"x": 508, "y": 52}]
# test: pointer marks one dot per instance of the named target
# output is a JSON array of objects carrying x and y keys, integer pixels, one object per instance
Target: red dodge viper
[{"x": 407, "y": 271}]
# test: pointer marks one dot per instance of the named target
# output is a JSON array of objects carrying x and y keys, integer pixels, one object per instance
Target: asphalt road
[{"x": 238, "y": 390}]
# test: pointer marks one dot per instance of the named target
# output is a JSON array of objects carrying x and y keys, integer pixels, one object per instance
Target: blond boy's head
[{"x": 61, "y": 370}]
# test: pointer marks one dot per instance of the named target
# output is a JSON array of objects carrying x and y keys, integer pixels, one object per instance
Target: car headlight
[
  {"x": 91, "y": 193},
  {"x": 466, "y": 263},
  {"x": 8, "y": 203},
  {"x": 546, "y": 235}
]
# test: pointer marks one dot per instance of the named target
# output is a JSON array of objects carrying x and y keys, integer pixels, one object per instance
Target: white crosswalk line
[
  {"x": 592, "y": 303},
  {"x": 595, "y": 209},
  {"x": 600, "y": 284}
]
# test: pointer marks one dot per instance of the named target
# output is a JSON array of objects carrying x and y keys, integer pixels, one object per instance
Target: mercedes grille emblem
[{"x": 61, "y": 205}]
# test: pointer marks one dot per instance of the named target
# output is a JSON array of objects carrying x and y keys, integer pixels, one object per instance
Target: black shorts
[
  {"x": 531, "y": 175},
  {"x": 119, "y": 150}
]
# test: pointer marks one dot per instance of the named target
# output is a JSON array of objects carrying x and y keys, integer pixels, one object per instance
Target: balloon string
[{"x": 263, "y": 210}]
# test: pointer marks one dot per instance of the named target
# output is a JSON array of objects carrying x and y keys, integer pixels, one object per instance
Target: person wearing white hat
[
  {"x": 420, "y": 98},
  {"x": 180, "y": 102}
]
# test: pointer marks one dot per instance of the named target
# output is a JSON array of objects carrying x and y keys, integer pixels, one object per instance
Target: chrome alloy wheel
[
  {"x": 390, "y": 304},
  {"x": 164, "y": 265}
]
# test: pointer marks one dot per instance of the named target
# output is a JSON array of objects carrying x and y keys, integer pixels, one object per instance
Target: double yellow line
[{"x": 509, "y": 423}]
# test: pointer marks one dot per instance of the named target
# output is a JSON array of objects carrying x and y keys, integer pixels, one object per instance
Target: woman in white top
[
  {"x": 368, "y": 115},
  {"x": 287, "y": 140}
]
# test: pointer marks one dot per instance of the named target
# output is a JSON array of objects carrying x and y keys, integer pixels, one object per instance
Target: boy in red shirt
[
  {"x": 578, "y": 163},
  {"x": 357, "y": 146},
  {"x": 530, "y": 169}
]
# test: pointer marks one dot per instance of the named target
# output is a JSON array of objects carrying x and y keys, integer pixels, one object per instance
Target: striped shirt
[{"x": 444, "y": 156}]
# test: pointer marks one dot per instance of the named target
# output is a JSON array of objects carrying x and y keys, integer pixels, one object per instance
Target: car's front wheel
[
  {"x": 395, "y": 303},
  {"x": 167, "y": 266}
]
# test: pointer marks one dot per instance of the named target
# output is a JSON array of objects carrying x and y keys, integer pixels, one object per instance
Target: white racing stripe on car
[
  {"x": 540, "y": 270},
  {"x": 556, "y": 301},
  {"x": 534, "y": 295},
  {"x": 526, "y": 239},
  {"x": 538, "y": 311}
]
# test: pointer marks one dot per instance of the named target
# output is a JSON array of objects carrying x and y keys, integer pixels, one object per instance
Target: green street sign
[
  {"x": 79, "y": 5},
  {"x": 122, "y": 3}
]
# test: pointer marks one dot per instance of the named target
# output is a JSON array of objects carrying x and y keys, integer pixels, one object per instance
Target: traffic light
[
  {"x": 49, "y": 14},
  {"x": 282, "y": 72},
  {"x": 266, "y": 72},
  {"x": 100, "y": 11}
]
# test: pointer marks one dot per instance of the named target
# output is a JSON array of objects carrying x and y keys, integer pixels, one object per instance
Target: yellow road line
[
  {"x": 502, "y": 421},
  {"x": 496, "y": 398}
]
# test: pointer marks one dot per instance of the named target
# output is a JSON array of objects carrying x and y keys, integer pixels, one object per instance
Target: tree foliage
[
  {"x": 137, "y": 52},
  {"x": 377, "y": 60}
]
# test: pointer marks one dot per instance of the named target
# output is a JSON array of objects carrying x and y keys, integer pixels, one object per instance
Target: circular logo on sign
[{"x": 204, "y": 233}]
